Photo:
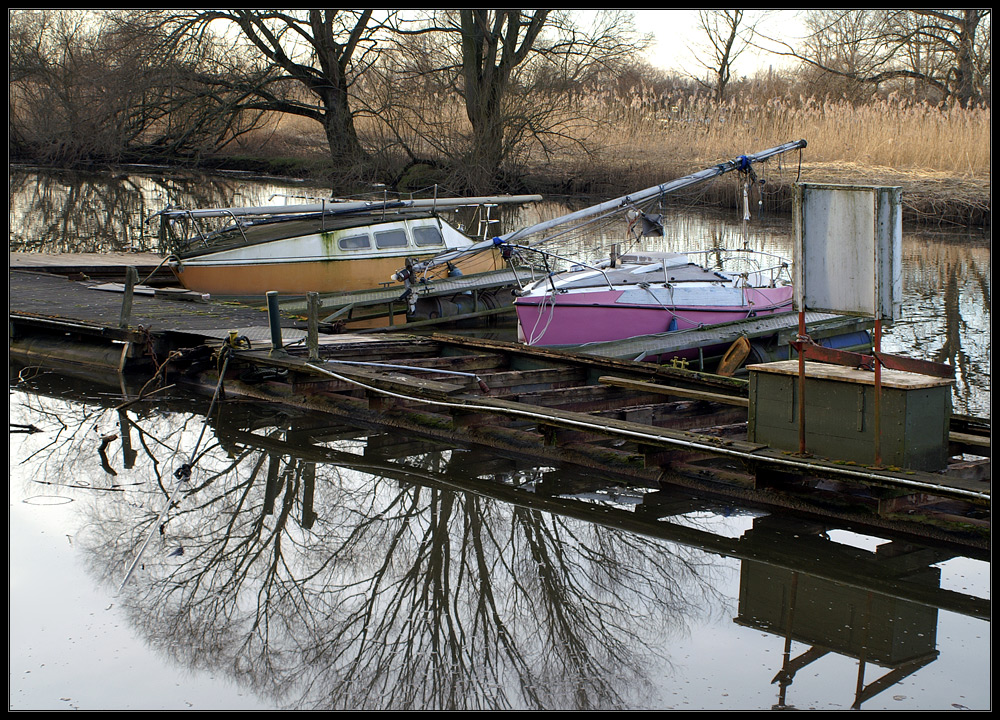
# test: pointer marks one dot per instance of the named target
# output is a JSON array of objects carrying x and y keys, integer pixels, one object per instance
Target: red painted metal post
[
  {"x": 878, "y": 391},
  {"x": 802, "y": 382}
]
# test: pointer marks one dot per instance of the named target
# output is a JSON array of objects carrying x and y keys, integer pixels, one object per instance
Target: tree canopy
[
  {"x": 946, "y": 53},
  {"x": 481, "y": 92}
]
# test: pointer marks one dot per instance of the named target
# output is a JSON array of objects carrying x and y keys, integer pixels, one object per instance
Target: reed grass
[
  {"x": 889, "y": 132},
  {"x": 941, "y": 156}
]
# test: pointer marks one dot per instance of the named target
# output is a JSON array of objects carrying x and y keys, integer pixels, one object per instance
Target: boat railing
[
  {"x": 204, "y": 237},
  {"x": 745, "y": 263},
  {"x": 183, "y": 241},
  {"x": 547, "y": 255}
]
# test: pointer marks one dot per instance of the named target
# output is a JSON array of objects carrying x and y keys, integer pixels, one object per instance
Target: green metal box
[{"x": 840, "y": 414}]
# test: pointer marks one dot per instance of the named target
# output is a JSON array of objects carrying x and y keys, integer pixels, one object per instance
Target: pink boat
[
  {"x": 639, "y": 294},
  {"x": 650, "y": 293}
]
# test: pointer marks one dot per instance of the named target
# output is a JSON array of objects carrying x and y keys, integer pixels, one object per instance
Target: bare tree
[
  {"x": 729, "y": 33},
  {"x": 512, "y": 70},
  {"x": 944, "y": 52},
  {"x": 321, "y": 53},
  {"x": 493, "y": 45},
  {"x": 109, "y": 86}
]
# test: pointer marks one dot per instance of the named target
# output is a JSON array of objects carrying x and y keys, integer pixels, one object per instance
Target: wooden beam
[{"x": 675, "y": 391}]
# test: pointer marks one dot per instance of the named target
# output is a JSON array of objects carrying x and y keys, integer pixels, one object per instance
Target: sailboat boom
[{"x": 741, "y": 162}]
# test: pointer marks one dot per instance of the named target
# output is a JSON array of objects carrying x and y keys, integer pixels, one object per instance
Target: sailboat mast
[
  {"x": 665, "y": 189},
  {"x": 741, "y": 162},
  {"x": 352, "y": 207}
]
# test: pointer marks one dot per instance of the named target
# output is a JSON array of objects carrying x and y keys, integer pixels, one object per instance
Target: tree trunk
[
  {"x": 338, "y": 124},
  {"x": 965, "y": 66},
  {"x": 492, "y": 46}
]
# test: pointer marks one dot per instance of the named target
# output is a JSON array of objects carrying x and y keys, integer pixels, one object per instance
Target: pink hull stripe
[{"x": 578, "y": 324}]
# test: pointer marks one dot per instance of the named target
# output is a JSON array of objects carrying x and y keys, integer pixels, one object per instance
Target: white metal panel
[
  {"x": 890, "y": 243},
  {"x": 847, "y": 247}
]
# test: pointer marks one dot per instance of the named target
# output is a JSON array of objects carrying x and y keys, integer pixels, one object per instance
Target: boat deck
[
  {"x": 257, "y": 231},
  {"x": 654, "y": 273}
]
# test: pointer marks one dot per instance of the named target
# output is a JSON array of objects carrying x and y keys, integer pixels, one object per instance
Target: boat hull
[
  {"x": 577, "y": 319},
  {"x": 360, "y": 256},
  {"x": 301, "y": 276}
]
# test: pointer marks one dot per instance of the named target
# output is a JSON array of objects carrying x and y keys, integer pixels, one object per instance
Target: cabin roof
[{"x": 269, "y": 229}]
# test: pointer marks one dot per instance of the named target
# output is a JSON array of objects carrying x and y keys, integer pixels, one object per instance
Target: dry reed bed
[
  {"x": 941, "y": 158},
  {"x": 886, "y": 132}
]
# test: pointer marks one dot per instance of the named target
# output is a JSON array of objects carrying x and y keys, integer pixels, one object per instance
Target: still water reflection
[{"x": 308, "y": 566}]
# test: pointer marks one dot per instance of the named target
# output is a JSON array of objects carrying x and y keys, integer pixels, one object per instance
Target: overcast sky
[{"x": 676, "y": 32}]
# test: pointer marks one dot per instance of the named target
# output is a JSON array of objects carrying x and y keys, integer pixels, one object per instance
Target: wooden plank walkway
[
  {"x": 45, "y": 295},
  {"x": 91, "y": 265},
  {"x": 379, "y": 302},
  {"x": 650, "y": 425},
  {"x": 332, "y": 302}
]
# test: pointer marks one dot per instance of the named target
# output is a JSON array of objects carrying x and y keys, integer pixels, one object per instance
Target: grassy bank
[{"x": 941, "y": 158}]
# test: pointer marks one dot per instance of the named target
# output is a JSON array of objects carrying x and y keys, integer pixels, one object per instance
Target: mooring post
[
  {"x": 131, "y": 279},
  {"x": 312, "y": 300},
  {"x": 274, "y": 321}
]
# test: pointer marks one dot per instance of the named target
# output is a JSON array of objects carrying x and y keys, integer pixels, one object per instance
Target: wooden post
[
  {"x": 312, "y": 300},
  {"x": 131, "y": 279},
  {"x": 274, "y": 321},
  {"x": 802, "y": 382},
  {"x": 878, "y": 392}
]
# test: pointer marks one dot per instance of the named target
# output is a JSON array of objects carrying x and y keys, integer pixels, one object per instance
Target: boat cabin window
[
  {"x": 355, "y": 242},
  {"x": 390, "y": 239},
  {"x": 426, "y": 236}
]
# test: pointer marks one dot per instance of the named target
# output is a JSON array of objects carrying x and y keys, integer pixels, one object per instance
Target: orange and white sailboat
[{"x": 320, "y": 247}]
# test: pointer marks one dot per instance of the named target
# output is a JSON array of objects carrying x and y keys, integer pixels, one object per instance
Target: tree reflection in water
[
  {"x": 398, "y": 592},
  {"x": 329, "y": 580},
  {"x": 77, "y": 212},
  {"x": 947, "y": 314}
]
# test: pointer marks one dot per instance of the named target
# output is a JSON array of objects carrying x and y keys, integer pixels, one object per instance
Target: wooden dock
[
  {"x": 343, "y": 308},
  {"x": 774, "y": 330},
  {"x": 388, "y": 301},
  {"x": 649, "y": 426},
  {"x": 94, "y": 266}
]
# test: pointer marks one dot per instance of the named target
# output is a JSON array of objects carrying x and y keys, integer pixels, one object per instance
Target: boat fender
[{"x": 735, "y": 356}]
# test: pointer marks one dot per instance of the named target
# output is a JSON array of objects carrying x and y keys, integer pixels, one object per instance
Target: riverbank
[
  {"x": 940, "y": 157},
  {"x": 932, "y": 198},
  {"x": 929, "y": 198}
]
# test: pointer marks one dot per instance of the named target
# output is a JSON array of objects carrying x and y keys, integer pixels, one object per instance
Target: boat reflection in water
[{"x": 329, "y": 567}]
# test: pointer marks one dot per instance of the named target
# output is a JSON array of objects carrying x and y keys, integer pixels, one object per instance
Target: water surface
[
  {"x": 306, "y": 566},
  {"x": 309, "y": 566}
]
